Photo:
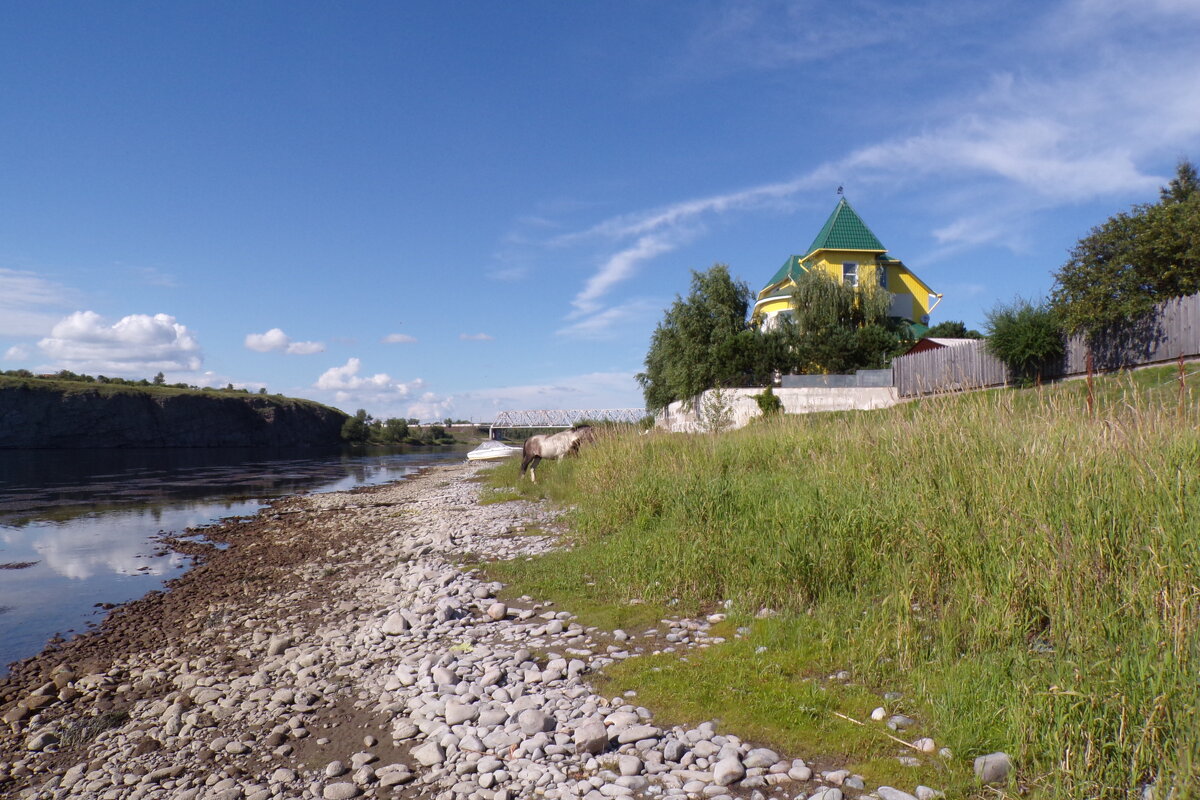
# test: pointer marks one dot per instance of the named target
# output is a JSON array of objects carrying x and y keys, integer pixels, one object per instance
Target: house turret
[{"x": 848, "y": 251}]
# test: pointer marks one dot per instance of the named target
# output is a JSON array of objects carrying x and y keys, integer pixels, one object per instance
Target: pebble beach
[{"x": 339, "y": 646}]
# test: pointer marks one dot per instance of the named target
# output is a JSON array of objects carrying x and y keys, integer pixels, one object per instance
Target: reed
[{"x": 1025, "y": 571}]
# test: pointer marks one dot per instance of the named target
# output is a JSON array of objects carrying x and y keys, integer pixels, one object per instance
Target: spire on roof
[{"x": 845, "y": 230}]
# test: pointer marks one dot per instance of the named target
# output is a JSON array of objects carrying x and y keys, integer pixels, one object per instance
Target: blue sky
[{"x": 438, "y": 209}]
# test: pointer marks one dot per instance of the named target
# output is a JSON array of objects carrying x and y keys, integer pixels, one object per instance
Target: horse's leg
[{"x": 529, "y": 463}]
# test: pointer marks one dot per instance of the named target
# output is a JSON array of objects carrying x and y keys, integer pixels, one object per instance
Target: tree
[
  {"x": 160, "y": 379},
  {"x": 953, "y": 329},
  {"x": 395, "y": 430},
  {"x": 836, "y": 327},
  {"x": 705, "y": 341},
  {"x": 1133, "y": 260},
  {"x": 356, "y": 428},
  {"x": 1026, "y": 336}
]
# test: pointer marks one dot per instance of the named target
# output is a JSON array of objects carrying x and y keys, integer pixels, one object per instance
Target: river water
[{"x": 78, "y": 529}]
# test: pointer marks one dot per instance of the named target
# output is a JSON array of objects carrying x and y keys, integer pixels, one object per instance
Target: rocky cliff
[{"x": 33, "y": 416}]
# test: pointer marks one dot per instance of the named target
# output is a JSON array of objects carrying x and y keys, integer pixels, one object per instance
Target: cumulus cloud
[
  {"x": 18, "y": 352},
  {"x": 399, "y": 338},
  {"x": 276, "y": 339},
  {"x": 136, "y": 344},
  {"x": 475, "y": 337},
  {"x": 347, "y": 386}
]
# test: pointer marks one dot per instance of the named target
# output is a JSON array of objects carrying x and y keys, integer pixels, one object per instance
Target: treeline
[
  {"x": 157, "y": 380},
  {"x": 362, "y": 428}
]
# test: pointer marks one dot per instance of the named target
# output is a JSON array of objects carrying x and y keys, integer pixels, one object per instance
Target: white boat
[{"x": 492, "y": 450}]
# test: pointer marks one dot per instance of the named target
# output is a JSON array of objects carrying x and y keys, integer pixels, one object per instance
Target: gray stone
[
  {"x": 638, "y": 732},
  {"x": 534, "y": 720},
  {"x": 993, "y": 768},
  {"x": 832, "y": 793},
  {"x": 40, "y": 741},
  {"x": 728, "y": 770},
  {"x": 800, "y": 773},
  {"x": 926, "y": 793},
  {"x": 488, "y": 764},
  {"x": 429, "y": 754},
  {"x": 888, "y": 793},
  {"x": 340, "y": 791},
  {"x": 278, "y": 644},
  {"x": 283, "y": 775},
  {"x": 457, "y": 712},
  {"x": 591, "y": 737},
  {"x": 899, "y": 722},
  {"x": 395, "y": 624},
  {"x": 760, "y": 757},
  {"x": 497, "y": 611},
  {"x": 629, "y": 765}
]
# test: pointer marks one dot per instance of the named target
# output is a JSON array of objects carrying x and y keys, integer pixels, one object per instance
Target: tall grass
[{"x": 1025, "y": 571}]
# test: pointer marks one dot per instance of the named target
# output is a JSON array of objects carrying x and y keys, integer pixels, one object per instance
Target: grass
[
  {"x": 67, "y": 387},
  {"x": 1023, "y": 572}
]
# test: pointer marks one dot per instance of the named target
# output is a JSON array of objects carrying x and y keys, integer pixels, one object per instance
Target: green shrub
[{"x": 1026, "y": 336}]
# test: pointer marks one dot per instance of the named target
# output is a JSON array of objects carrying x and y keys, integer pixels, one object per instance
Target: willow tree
[{"x": 838, "y": 327}]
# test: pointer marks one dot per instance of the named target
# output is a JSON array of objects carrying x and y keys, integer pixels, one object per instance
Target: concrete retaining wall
[{"x": 736, "y": 407}]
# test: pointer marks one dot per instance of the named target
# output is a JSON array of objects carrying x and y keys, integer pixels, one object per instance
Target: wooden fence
[{"x": 1170, "y": 331}]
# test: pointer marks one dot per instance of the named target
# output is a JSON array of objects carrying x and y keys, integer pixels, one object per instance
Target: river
[{"x": 79, "y": 529}]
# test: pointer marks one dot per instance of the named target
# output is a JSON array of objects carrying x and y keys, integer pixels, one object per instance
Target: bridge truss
[{"x": 562, "y": 418}]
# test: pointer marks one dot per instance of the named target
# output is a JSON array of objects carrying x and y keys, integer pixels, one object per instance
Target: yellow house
[{"x": 846, "y": 249}]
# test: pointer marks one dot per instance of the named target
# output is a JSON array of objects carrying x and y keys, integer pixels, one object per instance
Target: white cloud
[
  {"x": 305, "y": 348},
  {"x": 430, "y": 407},
  {"x": 1035, "y": 139},
  {"x": 347, "y": 386},
  {"x": 595, "y": 390},
  {"x": 605, "y": 324},
  {"x": 399, "y": 338},
  {"x": 136, "y": 344},
  {"x": 27, "y": 301},
  {"x": 276, "y": 339},
  {"x": 18, "y": 352},
  {"x": 475, "y": 337}
]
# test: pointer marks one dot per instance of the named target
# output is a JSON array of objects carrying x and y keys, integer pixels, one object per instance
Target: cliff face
[{"x": 45, "y": 417}]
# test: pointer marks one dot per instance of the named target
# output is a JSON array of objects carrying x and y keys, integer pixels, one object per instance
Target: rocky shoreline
[{"x": 333, "y": 646}]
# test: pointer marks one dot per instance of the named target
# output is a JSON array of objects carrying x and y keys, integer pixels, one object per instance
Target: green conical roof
[{"x": 845, "y": 230}]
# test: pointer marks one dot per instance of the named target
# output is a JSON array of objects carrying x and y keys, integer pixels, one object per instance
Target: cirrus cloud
[{"x": 399, "y": 338}]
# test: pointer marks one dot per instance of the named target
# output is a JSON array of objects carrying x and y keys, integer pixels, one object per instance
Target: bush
[
  {"x": 768, "y": 402},
  {"x": 1026, "y": 336}
]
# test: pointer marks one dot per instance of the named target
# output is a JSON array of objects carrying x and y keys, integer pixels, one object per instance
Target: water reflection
[{"x": 88, "y": 520}]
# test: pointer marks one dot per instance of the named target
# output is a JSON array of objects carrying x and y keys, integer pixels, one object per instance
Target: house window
[
  {"x": 850, "y": 273},
  {"x": 881, "y": 276}
]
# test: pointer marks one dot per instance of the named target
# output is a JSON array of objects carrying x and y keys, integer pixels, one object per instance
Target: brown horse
[{"x": 555, "y": 445}]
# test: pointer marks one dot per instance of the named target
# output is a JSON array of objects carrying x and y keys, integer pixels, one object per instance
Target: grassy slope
[
  {"x": 112, "y": 389},
  {"x": 1024, "y": 573}
]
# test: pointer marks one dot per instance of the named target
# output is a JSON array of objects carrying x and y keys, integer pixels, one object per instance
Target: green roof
[
  {"x": 845, "y": 230},
  {"x": 790, "y": 269}
]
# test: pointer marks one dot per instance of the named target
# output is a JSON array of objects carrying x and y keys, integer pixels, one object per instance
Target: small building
[
  {"x": 847, "y": 250},
  {"x": 936, "y": 343}
]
